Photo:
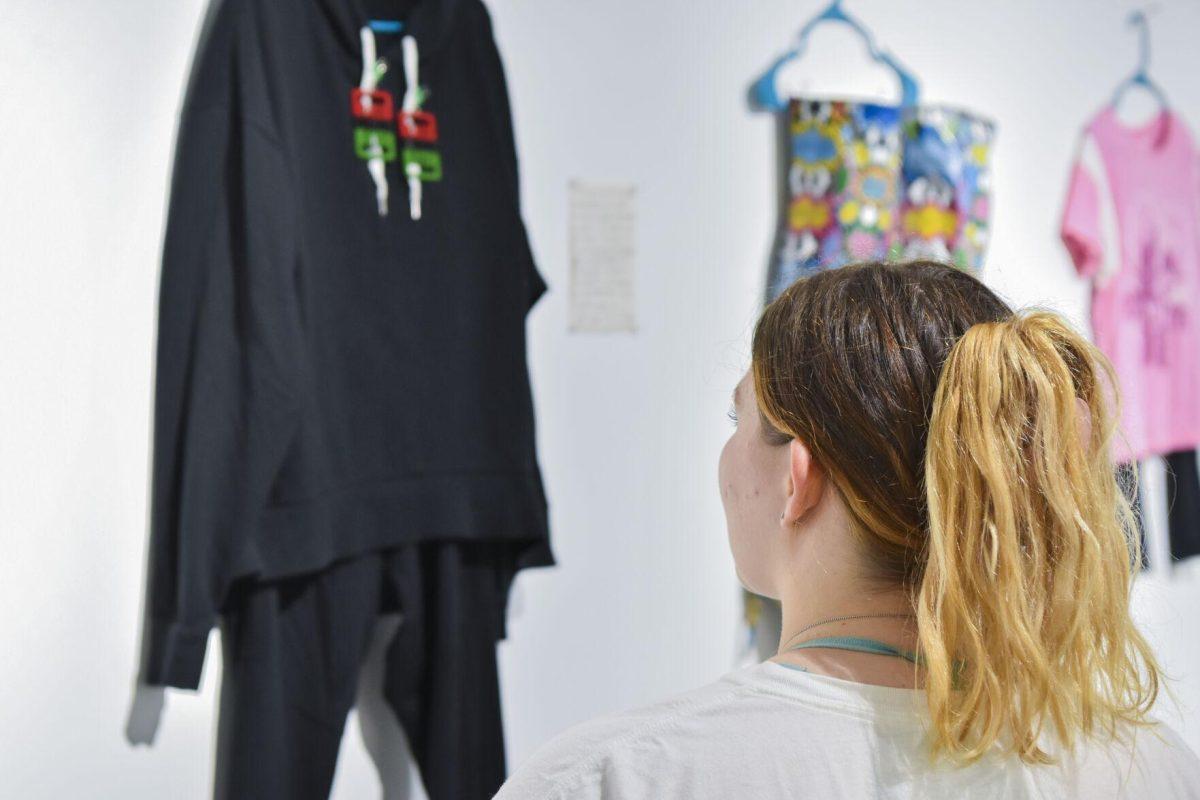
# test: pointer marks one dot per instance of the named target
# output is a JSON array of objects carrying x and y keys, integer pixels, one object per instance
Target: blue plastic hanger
[
  {"x": 1137, "y": 19},
  {"x": 768, "y": 96}
]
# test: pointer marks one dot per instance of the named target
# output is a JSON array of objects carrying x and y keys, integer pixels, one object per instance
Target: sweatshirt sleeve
[
  {"x": 228, "y": 362},
  {"x": 502, "y": 113}
]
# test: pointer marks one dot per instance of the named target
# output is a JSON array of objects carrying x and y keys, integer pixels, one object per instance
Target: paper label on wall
[{"x": 602, "y": 217}]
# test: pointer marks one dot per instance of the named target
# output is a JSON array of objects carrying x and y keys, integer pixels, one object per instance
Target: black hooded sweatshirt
[{"x": 332, "y": 379}]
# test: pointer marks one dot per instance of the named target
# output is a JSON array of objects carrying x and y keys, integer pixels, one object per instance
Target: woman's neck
[{"x": 886, "y": 617}]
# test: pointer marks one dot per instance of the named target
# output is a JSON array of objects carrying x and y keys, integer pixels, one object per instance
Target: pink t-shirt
[{"x": 1132, "y": 225}]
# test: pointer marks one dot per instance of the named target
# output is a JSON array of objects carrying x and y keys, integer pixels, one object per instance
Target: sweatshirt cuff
[
  {"x": 176, "y": 654},
  {"x": 537, "y": 284}
]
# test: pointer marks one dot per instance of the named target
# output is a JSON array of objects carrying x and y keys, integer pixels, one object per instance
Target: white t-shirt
[{"x": 770, "y": 731}]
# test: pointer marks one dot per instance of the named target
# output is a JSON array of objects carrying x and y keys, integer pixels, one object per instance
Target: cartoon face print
[
  {"x": 876, "y": 185},
  {"x": 816, "y": 141},
  {"x": 882, "y": 144},
  {"x": 869, "y": 200},
  {"x": 877, "y": 130},
  {"x": 804, "y": 179},
  {"x": 928, "y": 213},
  {"x": 814, "y": 112},
  {"x": 930, "y": 190},
  {"x": 799, "y": 247}
]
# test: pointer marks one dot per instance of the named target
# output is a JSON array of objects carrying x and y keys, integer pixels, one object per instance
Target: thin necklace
[{"x": 838, "y": 619}]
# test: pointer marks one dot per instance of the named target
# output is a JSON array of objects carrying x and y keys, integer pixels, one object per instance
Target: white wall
[{"x": 644, "y": 602}]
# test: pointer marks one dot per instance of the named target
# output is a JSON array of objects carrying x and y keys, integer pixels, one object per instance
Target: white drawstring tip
[
  {"x": 414, "y": 194},
  {"x": 378, "y": 170},
  {"x": 409, "y": 105}
]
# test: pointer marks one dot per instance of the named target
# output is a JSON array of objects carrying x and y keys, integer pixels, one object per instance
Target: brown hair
[{"x": 949, "y": 424}]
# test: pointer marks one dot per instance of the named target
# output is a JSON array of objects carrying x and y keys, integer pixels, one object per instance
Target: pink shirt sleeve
[{"x": 1081, "y": 221}]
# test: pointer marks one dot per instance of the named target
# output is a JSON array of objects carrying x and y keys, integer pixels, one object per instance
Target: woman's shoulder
[
  {"x": 563, "y": 766},
  {"x": 1152, "y": 758}
]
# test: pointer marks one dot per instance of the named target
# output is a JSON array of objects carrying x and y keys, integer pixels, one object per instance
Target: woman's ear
[{"x": 806, "y": 482}]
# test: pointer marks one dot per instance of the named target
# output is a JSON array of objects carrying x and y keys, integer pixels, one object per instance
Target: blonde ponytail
[{"x": 1023, "y": 600}]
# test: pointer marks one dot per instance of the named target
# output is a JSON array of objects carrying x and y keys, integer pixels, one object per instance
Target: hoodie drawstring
[
  {"x": 379, "y": 147},
  {"x": 408, "y": 106},
  {"x": 373, "y": 70}
]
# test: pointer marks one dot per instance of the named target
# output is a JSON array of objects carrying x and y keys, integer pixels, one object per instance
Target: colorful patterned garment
[
  {"x": 946, "y": 186},
  {"x": 871, "y": 181},
  {"x": 1132, "y": 225},
  {"x": 843, "y": 184}
]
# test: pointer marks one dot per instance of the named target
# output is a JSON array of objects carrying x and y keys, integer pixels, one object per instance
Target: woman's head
[
  {"x": 845, "y": 364},
  {"x": 909, "y": 407}
]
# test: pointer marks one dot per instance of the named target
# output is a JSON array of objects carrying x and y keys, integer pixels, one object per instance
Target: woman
[{"x": 920, "y": 476}]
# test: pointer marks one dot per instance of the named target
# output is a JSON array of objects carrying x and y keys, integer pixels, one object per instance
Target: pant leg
[
  {"x": 1183, "y": 504},
  {"x": 1126, "y": 473},
  {"x": 442, "y": 677},
  {"x": 292, "y": 652}
]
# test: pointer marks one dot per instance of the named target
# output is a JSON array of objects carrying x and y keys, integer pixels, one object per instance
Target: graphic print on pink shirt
[
  {"x": 1132, "y": 225},
  {"x": 1157, "y": 301}
]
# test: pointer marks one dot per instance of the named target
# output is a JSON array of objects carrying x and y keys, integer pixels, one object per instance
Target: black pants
[
  {"x": 293, "y": 649},
  {"x": 1183, "y": 504}
]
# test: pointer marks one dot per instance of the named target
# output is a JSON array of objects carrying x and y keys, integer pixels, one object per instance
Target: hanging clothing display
[
  {"x": 341, "y": 365},
  {"x": 868, "y": 181},
  {"x": 1132, "y": 226}
]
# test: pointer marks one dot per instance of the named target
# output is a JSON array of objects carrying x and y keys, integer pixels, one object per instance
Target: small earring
[{"x": 781, "y": 516}]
